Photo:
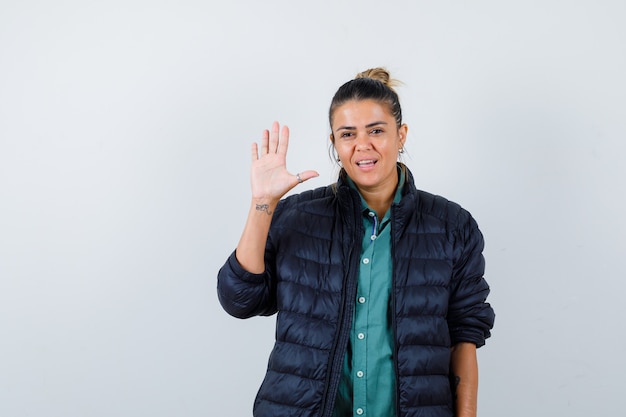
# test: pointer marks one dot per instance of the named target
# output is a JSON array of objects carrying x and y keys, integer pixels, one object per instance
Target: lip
[{"x": 366, "y": 164}]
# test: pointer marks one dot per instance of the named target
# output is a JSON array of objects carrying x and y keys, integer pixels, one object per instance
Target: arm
[
  {"x": 464, "y": 367},
  {"x": 244, "y": 287},
  {"x": 470, "y": 317},
  {"x": 270, "y": 181}
]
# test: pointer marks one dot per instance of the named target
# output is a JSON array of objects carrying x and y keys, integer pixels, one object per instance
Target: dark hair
[{"x": 372, "y": 84}]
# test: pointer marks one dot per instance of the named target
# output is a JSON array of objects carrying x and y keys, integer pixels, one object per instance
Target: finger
[
  {"x": 273, "y": 143},
  {"x": 284, "y": 141},
  {"x": 255, "y": 151},
  {"x": 265, "y": 142},
  {"x": 305, "y": 175}
]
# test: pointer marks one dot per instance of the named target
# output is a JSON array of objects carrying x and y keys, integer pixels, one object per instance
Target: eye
[
  {"x": 347, "y": 135},
  {"x": 376, "y": 131}
]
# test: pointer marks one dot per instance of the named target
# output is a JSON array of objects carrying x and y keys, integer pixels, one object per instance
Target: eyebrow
[{"x": 366, "y": 126}]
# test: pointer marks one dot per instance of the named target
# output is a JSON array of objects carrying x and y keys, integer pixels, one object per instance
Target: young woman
[{"x": 378, "y": 286}]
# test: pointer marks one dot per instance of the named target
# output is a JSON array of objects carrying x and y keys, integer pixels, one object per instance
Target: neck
[
  {"x": 378, "y": 202},
  {"x": 380, "y": 198}
]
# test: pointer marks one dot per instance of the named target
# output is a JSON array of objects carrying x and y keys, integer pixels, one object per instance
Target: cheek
[
  {"x": 342, "y": 149},
  {"x": 344, "y": 152}
]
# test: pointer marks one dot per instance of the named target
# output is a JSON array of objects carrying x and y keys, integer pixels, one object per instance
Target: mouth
[{"x": 366, "y": 163}]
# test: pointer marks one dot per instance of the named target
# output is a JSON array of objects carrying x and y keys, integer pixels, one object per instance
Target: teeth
[{"x": 365, "y": 162}]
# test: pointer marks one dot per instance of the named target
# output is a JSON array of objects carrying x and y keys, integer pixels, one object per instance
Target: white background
[{"x": 125, "y": 129}]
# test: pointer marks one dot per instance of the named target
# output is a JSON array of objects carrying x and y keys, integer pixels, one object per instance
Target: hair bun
[{"x": 379, "y": 74}]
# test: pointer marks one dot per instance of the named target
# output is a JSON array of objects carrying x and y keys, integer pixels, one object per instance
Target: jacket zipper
[
  {"x": 394, "y": 312},
  {"x": 345, "y": 319}
]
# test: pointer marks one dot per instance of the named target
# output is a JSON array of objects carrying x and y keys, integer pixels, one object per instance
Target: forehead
[{"x": 358, "y": 113}]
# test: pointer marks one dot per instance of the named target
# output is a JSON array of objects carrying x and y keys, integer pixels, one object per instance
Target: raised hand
[{"x": 269, "y": 177}]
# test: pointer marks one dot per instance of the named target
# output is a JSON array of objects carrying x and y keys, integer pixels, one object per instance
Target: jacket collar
[{"x": 408, "y": 188}]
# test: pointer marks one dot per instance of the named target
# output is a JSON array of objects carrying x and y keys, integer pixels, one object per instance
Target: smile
[{"x": 366, "y": 162}]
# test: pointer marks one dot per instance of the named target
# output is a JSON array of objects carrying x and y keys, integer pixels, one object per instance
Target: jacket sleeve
[
  {"x": 470, "y": 317},
  {"x": 243, "y": 294}
]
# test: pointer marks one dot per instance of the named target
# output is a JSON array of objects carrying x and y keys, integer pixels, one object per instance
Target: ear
[
  {"x": 402, "y": 132},
  {"x": 332, "y": 138}
]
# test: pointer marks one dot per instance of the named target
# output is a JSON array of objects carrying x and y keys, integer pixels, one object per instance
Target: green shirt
[{"x": 367, "y": 385}]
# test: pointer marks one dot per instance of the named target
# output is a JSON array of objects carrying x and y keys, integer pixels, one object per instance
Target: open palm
[{"x": 269, "y": 176}]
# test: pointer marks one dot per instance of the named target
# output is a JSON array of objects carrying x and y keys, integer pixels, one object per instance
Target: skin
[
  {"x": 362, "y": 131},
  {"x": 464, "y": 365},
  {"x": 270, "y": 181},
  {"x": 367, "y": 140}
]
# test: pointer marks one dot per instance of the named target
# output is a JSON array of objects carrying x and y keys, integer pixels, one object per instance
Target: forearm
[
  {"x": 251, "y": 248},
  {"x": 464, "y": 367},
  {"x": 270, "y": 181}
]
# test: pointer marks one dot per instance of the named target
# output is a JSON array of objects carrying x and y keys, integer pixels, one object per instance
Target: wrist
[{"x": 266, "y": 206}]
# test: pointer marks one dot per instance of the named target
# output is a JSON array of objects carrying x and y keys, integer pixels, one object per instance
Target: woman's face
[{"x": 367, "y": 141}]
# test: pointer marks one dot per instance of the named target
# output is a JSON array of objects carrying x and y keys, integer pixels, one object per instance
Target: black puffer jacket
[{"x": 312, "y": 262}]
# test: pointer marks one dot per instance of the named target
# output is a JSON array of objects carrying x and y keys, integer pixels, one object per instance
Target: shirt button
[
  {"x": 359, "y": 411},
  {"x": 361, "y": 300},
  {"x": 371, "y": 214},
  {"x": 361, "y": 336},
  {"x": 359, "y": 374},
  {"x": 373, "y": 237},
  {"x": 366, "y": 261}
]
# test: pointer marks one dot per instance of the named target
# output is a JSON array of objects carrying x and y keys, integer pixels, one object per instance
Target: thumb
[{"x": 306, "y": 175}]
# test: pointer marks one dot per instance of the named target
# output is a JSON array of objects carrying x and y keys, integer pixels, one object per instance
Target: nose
[{"x": 363, "y": 142}]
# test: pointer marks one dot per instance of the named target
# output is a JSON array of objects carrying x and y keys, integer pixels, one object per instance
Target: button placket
[{"x": 363, "y": 306}]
